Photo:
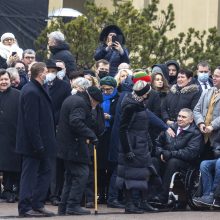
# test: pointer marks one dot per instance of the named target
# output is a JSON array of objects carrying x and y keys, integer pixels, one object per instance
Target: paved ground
[{"x": 9, "y": 211}]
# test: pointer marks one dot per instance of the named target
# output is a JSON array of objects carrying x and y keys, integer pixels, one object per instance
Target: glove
[
  {"x": 95, "y": 141},
  {"x": 130, "y": 156},
  {"x": 166, "y": 155},
  {"x": 40, "y": 153}
]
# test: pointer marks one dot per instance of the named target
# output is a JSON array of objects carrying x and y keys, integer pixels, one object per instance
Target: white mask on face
[
  {"x": 61, "y": 74},
  {"x": 74, "y": 91},
  {"x": 50, "y": 77}
]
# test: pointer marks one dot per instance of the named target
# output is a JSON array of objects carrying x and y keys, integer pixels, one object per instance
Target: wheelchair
[{"x": 184, "y": 186}]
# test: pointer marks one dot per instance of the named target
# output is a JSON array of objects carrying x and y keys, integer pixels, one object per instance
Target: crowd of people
[{"x": 146, "y": 124}]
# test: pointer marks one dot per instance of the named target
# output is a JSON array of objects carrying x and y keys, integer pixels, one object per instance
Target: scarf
[{"x": 106, "y": 104}]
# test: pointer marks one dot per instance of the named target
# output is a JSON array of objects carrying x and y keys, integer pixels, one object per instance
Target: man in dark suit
[
  {"x": 36, "y": 143},
  {"x": 203, "y": 78},
  {"x": 177, "y": 153}
]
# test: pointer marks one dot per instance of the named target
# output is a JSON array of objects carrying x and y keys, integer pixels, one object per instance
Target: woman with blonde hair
[{"x": 121, "y": 76}]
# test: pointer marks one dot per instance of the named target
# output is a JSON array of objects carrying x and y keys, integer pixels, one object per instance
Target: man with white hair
[{"x": 60, "y": 50}]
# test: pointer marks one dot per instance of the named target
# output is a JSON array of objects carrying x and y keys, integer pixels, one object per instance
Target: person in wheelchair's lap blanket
[{"x": 177, "y": 153}]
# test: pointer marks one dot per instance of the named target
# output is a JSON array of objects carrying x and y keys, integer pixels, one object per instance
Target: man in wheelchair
[{"x": 177, "y": 153}]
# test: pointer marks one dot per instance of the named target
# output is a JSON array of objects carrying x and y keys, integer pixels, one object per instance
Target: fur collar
[{"x": 187, "y": 89}]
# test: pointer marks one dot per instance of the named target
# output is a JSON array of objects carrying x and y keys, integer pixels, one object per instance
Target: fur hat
[
  {"x": 108, "y": 80},
  {"x": 111, "y": 29},
  {"x": 7, "y": 35},
  {"x": 95, "y": 93}
]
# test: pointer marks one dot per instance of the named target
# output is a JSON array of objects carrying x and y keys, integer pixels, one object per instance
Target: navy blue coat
[
  {"x": 36, "y": 128},
  {"x": 59, "y": 91},
  {"x": 113, "y": 57}
]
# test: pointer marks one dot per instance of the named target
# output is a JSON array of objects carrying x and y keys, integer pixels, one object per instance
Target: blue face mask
[
  {"x": 203, "y": 77},
  {"x": 61, "y": 74}
]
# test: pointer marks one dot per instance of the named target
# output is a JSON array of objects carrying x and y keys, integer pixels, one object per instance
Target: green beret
[{"x": 108, "y": 80}]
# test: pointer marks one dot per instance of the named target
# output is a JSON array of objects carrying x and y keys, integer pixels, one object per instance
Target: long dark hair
[{"x": 165, "y": 87}]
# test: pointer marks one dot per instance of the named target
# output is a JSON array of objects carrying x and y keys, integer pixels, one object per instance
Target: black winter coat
[
  {"x": 176, "y": 99},
  {"x": 36, "y": 128},
  {"x": 62, "y": 52},
  {"x": 74, "y": 128},
  {"x": 9, "y": 160},
  {"x": 186, "y": 146},
  {"x": 134, "y": 137},
  {"x": 59, "y": 91}
]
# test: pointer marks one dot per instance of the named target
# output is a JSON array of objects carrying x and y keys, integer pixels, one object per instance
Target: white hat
[{"x": 7, "y": 35}]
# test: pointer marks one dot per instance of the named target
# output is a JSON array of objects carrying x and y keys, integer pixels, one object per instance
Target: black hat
[
  {"x": 111, "y": 29},
  {"x": 95, "y": 93},
  {"x": 52, "y": 64}
]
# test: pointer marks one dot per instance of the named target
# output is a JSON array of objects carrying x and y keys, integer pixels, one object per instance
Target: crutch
[{"x": 95, "y": 179}]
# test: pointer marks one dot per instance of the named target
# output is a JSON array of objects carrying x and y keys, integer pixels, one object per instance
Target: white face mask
[
  {"x": 50, "y": 77},
  {"x": 74, "y": 91},
  {"x": 61, "y": 74}
]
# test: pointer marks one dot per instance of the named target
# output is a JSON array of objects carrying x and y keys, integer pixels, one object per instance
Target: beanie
[
  {"x": 108, "y": 80},
  {"x": 95, "y": 93},
  {"x": 141, "y": 88},
  {"x": 141, "y": 76},
  {"x": 7, "y": 35}
]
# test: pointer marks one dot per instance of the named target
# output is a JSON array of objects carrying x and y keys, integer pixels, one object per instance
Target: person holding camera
[{"x": 112, "y": 48}]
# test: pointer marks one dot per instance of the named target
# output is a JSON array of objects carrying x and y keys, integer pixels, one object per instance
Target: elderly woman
[
  {"x": 134, "y": 162},
  {"x": 9, "y": 161},
  {"x": 112, "y": 48},
  {"x": 110, "y": 97},
  {"x": 79, "y": 84},
  {"x": 9, "y": 48}
]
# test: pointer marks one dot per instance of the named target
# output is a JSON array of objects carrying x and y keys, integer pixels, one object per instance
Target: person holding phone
[
  {"x": 112, "y": 48},
  {"x": 9, "y": 48}
]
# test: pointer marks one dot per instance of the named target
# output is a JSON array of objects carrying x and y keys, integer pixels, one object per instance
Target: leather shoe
[
  {"x": 45, "y": 212},
  {"x": 130, "y": 208},
  {"x": 31, "y": 213},
  {"x": 55, "y": 202},
  {"x": 77, "y": 210},
  {"x": 147, "y": 207},
  {"x": 115, "y": 204}
]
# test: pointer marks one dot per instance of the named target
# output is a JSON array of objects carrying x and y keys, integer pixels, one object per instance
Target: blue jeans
[{"x": 210, "y": 174}]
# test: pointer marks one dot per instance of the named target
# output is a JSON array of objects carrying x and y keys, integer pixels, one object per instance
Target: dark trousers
[
  {"x": 166, "y": 170},
  {"x": 10, "y": 181},
  {"x": 57, "y": 179},
  {"x": 89, "y": 191},
  {"x": 113, "y": 191},
  {"x": 76, "y": 177},
  {"x": 34, "y": 184}
]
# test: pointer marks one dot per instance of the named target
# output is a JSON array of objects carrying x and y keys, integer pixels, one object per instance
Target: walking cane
[{"x": 95, "y": 180}]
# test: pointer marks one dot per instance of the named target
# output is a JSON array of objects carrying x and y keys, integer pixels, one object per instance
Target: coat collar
[{"x": 187, "y": 89}]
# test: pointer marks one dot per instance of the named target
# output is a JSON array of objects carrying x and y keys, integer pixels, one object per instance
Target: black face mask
[
  {"x": 172, "y": 78},
  {"x": 102, "y": 74},
  {"x": 22, "y": 72}
]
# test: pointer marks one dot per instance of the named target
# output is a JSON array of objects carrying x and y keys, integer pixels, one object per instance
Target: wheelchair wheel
[{"x": 193, "y": 187}]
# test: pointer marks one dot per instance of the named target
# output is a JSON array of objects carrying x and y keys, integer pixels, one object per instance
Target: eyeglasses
[
  {"x": 107, "y": 89},
  {"x": 29, "y": 57},
  {"x": 9, "y": 39}
]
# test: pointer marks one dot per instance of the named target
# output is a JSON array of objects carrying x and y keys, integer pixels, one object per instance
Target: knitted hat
[
  {"x": 142, "y": 75},
  {"x": 7, "y": 35},
  {"x": 108, "y": 80},
  {"x": 141, "y": 87},
  {"x": 95, "y": 93}
]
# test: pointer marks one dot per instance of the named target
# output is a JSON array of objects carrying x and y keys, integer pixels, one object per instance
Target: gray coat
[{"x": 201, "y": 110}]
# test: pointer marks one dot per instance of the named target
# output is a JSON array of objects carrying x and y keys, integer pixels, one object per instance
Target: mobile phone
[
  {"x": 14, "y": 53},
  {"x": 114, "y": 38}
]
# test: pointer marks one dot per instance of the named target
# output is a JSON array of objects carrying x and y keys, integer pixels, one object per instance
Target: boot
[
  {"x": 61, "y": 209},
  {"x": 130, "y": 208},
  {"x": 144, "y": 205}
]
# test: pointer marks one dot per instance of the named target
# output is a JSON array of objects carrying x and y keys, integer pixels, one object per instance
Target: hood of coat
[
  {"x": 186, "y": 89},
  {"x": 62, "y": 45}
]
